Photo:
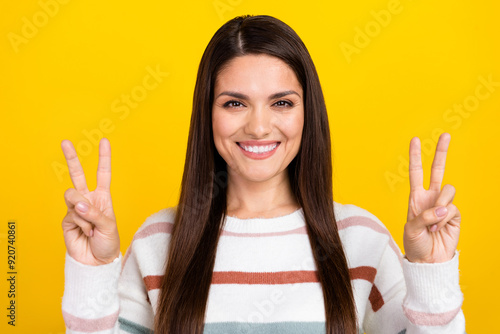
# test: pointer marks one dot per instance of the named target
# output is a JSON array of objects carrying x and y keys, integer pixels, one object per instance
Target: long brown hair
[{"x": 202, "y": 203}]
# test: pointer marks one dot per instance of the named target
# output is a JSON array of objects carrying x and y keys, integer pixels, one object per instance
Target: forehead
[{"x": 257, "y": 73}]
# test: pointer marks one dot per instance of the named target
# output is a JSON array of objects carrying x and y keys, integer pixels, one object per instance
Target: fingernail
[
  {"x": 91, "y": 232},
  {"x": 82, "y": 206},
  {"x": 441, "y": 211},
  {"x": 434, "y": 228}
]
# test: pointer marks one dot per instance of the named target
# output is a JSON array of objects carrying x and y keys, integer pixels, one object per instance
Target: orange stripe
[
  {"x": 363, "y": 272},
  {"x": 153, "y": 281},
  {"x": 281, "y": 277},
  {"x": 368, "y": 273},
  {"x": 376, "y": 299}
]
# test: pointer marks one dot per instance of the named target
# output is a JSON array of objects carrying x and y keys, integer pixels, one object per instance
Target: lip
[
  {"x": 257, "y": 156},
  {"x": 258, "y": 142}
]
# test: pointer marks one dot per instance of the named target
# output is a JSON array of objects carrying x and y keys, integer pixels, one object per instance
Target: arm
[
  {"x": 103, "y": 292},
  {"x": 433, "y": 300},
  {"x": 415, "y": 298},
  {"x": 426, "y": 287},
  {"x": 105, "y": 298}
]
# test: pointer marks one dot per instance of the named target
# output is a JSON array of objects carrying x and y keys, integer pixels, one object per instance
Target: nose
[{"x": 258, "y": 122}]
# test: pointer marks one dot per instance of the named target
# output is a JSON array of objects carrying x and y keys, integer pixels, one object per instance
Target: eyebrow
[{"x": 245, "y": 97}]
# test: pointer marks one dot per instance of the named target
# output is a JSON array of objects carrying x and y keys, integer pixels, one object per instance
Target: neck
[{"x": 269, "y": 198}]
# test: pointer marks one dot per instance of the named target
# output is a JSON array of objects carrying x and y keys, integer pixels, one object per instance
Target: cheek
[
  {"x": 293, "y": 127},
  {"x": 222, "y": 127},
  {"x": 216, "y": 125}
]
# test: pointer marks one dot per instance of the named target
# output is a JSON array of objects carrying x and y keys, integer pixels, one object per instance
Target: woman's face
[{"x": 258, "y": 107}]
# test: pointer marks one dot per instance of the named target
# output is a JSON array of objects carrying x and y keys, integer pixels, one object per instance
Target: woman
[{"x": 256, "y": 243}]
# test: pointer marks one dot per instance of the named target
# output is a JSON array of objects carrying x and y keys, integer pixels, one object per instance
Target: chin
[{"x": 260, "y": 177}]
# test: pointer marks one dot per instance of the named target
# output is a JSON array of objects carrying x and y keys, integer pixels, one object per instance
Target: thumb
[
  {"x": 91, "y": 214},
  {"x": 426, "y": 218}
]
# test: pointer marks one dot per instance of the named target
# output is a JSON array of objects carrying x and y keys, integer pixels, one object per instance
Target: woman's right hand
[{"x": 91, "y": 236}]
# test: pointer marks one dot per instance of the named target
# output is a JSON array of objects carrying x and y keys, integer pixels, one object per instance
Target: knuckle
[
  {"x": 73, "y": 217},
  {"x": 67, "y": 193},
  {"x": 429, "y": 215},
  {"x": 80, "y": 222},
  {"x": 69, "y": 219},
  {"x": 450, "y": 188},
  {"x": 69, "y": 215},
  {"x": 65, "y": 219},
  {"x": 77, "y": 219},
  {"x": 452, "y": 208}
]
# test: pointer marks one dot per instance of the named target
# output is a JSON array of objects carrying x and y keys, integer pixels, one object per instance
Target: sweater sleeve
[
  {"x": 106, "y": 299},
  {"x": 415, "y": 298}
]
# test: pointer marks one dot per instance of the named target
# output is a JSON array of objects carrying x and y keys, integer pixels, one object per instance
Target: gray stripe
[
  {"x": 242, "y": 328},
  {"x": 265, "y": 328},
  {"x": 132, "y": 327}
]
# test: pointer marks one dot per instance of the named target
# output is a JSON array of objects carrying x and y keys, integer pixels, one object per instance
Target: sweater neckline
[{"x": 262, "y": 225}]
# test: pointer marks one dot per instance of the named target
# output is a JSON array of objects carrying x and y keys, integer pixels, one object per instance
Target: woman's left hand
[{"x": 433, "y": 223}]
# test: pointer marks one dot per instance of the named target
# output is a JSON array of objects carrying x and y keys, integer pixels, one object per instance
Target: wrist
[{"x": 430, "y": 260}]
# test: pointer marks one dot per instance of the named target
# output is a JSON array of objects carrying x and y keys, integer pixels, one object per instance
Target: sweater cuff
[
  {"x": 90, "y": 291},
  {"x": 432, "y": 287}
]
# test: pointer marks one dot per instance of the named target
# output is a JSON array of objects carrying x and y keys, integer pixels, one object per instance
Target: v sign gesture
[
  {"x": 433, "y": 223},
  {"x": 90, "y": 231}
]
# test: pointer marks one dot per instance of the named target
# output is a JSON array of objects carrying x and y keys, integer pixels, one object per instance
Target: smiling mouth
[{"x": 259, "y": 149}]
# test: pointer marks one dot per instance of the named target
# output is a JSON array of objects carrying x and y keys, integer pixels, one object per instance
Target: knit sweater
[{"x": 265, "y": 281}]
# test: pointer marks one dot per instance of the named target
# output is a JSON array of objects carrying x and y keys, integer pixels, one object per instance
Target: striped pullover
[{"x": 264, "y": 281}]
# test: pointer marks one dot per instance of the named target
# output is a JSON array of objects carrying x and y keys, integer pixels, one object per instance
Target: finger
[
  {"x": 75, "y": 168},
  {"x": 73, "y": 218},
  {"x": 426, "y": 219},
  {"x": 452, "y": 215},
  {"x": 72, "y": 196},
  {"x": 446, "y": 195},
  {"x": 457, "y": 218},
  {"x": 439, "y": 162},
  {"x": 104, "y": 167},
  {"x": 416, "y": 171},
  {"x": 92, "y": 214}
]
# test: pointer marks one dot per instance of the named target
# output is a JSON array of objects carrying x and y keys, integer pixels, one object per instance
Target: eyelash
[{"x": 227, "y": 104}]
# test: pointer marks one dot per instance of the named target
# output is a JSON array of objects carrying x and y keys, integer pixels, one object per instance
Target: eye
[
  {"x": 233, "y": 104},
  {"x": 284, "y": 103}
]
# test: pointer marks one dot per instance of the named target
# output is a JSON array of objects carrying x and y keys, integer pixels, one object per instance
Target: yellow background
[{"x": 62, "y": 80}]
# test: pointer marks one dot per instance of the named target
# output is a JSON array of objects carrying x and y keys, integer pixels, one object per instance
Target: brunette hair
[{"x": 202, "y": 208}]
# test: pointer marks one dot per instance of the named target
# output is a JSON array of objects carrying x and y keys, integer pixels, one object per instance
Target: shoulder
[
  {"x": 155, "y": 230},
  {"x": 362, "y": 233},
  {"x": 164, "y": 217},
  {"x": 350, "y": 215},
  {"x": 150, "y": 241},
  {"x": 343, "y": 211}
]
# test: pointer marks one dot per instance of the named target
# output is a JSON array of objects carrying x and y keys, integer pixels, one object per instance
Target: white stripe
[
  {"x": 283, "y": 253},
  {"x": 154, "y": 249},
  {"x": 357, "y": 239},
  {"x": 265, "y": 303}
]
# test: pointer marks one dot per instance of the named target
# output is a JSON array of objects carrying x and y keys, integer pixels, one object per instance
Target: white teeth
[{"x": 259, "y": 149}]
